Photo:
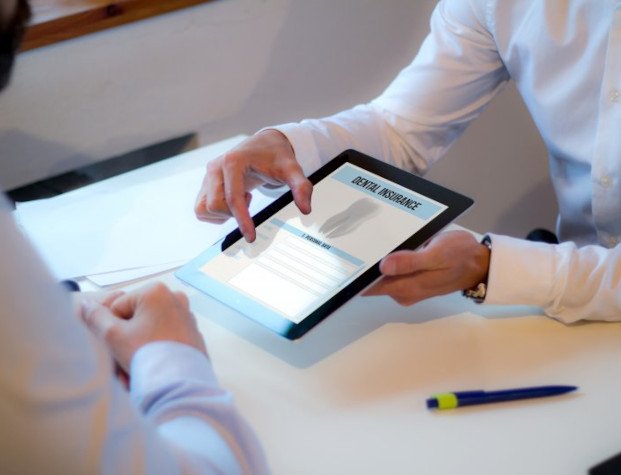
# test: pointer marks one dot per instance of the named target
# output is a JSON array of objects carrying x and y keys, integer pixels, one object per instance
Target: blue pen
[{"x": 470, "y": 398}]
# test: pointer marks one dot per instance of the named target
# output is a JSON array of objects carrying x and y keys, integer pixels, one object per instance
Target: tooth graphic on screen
[{"x": 350, "y": 218}]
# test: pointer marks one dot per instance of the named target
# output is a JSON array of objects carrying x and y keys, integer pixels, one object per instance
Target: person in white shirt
[
  {"x": 565, "y": 59},
  {"x": 62, "y": 408}
]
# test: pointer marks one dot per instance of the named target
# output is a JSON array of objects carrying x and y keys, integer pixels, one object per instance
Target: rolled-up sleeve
[{"x": 452, "y": 79}]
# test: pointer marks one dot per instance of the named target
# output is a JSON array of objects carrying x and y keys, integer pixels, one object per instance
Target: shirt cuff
[
  {"x": 520, "y": 273},
  {"x": 162, "y": 364},
  {"x": 303, "y": 144}
]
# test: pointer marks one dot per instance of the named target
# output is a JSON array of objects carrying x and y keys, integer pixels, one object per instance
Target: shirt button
[
  {"x": 614, "y": 95},
  {"x": 605, "y": 181}
]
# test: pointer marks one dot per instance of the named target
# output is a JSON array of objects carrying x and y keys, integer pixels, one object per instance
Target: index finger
[
  {"x": 125, "y": 306},
  {"x": 301, "y": 189},
  {"x": 210, "y": 204},
  {"x": 236, "y": 198}
]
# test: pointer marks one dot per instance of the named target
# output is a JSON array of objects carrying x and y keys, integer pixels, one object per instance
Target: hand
[
  {"x": 266, "y": 157},
  {"x": 80, "y": 299},
  {"x": 452, "y": 261},
  {"x": 152, "y": 313}
]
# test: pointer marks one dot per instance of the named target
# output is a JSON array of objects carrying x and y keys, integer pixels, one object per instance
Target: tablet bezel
[{"x": 455, "y": 203}]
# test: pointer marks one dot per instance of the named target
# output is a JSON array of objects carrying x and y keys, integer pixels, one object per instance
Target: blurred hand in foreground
[{"x": 134, "y": 319}]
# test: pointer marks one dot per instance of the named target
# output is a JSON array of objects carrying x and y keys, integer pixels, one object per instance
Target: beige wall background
[{"x": 234, "y": 66}]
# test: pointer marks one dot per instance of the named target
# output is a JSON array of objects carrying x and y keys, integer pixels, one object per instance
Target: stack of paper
[{"x": 131, "y": 225}]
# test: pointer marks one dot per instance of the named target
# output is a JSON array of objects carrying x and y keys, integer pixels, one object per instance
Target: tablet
[{"x": 301, "y": 268}]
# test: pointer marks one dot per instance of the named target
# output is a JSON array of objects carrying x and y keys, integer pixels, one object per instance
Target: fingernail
[
  {"x": 248, "y": 234},
  {"x": 387, "y": 267}
]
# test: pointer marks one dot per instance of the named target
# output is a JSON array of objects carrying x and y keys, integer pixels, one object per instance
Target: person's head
[{"x": 14, "y": 15}]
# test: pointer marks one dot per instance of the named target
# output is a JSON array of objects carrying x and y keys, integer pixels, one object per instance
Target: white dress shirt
[
  {"x": 567, "y": 282},
  {"x": 63, "y": 412},
  {"x": 565, "y": 59}
]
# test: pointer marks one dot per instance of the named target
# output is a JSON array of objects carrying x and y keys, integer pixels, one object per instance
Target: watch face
[
  {"x": 479, "y": 292},
  {"x": 476, "y": 293}
]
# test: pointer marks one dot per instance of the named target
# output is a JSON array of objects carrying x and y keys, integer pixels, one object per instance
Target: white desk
[{"x": 350, "y": 396}]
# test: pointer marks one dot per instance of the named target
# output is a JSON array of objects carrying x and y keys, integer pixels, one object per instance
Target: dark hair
[{"x": 10, "y": 38}]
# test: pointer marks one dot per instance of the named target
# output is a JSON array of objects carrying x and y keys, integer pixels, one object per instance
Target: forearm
[
  {"x": 182, "y": 421},
  {"x": 454, "y": 76},
  {"x": 175, "y": 387},
  {"x": 569, "y": 283},
  {"x": 366, "y": 128}
]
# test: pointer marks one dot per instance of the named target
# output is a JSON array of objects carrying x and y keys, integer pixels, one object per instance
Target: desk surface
[{"x": 350, "y": 396}]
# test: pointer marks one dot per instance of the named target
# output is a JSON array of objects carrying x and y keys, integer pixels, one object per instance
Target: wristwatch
[{"x": 479, "y": 291}]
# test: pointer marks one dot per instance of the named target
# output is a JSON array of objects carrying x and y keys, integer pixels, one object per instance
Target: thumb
[
  {"x": 404, "y": 262},
  {"x": 98, "y": 318}
]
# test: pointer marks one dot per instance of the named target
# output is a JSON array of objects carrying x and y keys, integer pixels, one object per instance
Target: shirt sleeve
[
  {"x": 454, "y": 76},
  {"x": 176, "y": 389},
  {"x": 63, "y": 411},
  {"x": 568, "y": 282}
]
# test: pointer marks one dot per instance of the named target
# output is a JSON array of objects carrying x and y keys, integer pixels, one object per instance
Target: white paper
[
  {"x": 139, "y": 219},
  {"x": 125, "y": 276}
]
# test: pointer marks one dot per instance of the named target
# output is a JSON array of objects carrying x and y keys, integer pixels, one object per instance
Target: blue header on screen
[{"x": 387, "y": 192}]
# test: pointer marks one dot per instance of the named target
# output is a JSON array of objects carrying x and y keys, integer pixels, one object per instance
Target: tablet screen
[{"x": 299, "y": 262}]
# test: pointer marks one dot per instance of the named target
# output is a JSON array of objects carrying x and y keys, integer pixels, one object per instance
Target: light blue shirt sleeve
[
  {"x": 175, "y": 387},
  {"x": 63, "y": 411}
]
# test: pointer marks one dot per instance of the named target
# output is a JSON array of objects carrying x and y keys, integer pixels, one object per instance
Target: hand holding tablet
[
  {"x": 451, "y": 261},
  {"x": 302, "y": 267}
]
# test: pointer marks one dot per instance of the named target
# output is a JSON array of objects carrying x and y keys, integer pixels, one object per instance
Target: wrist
[
  {"x": 478, "y": 290},
  {"x": 276, "y": 137}
]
